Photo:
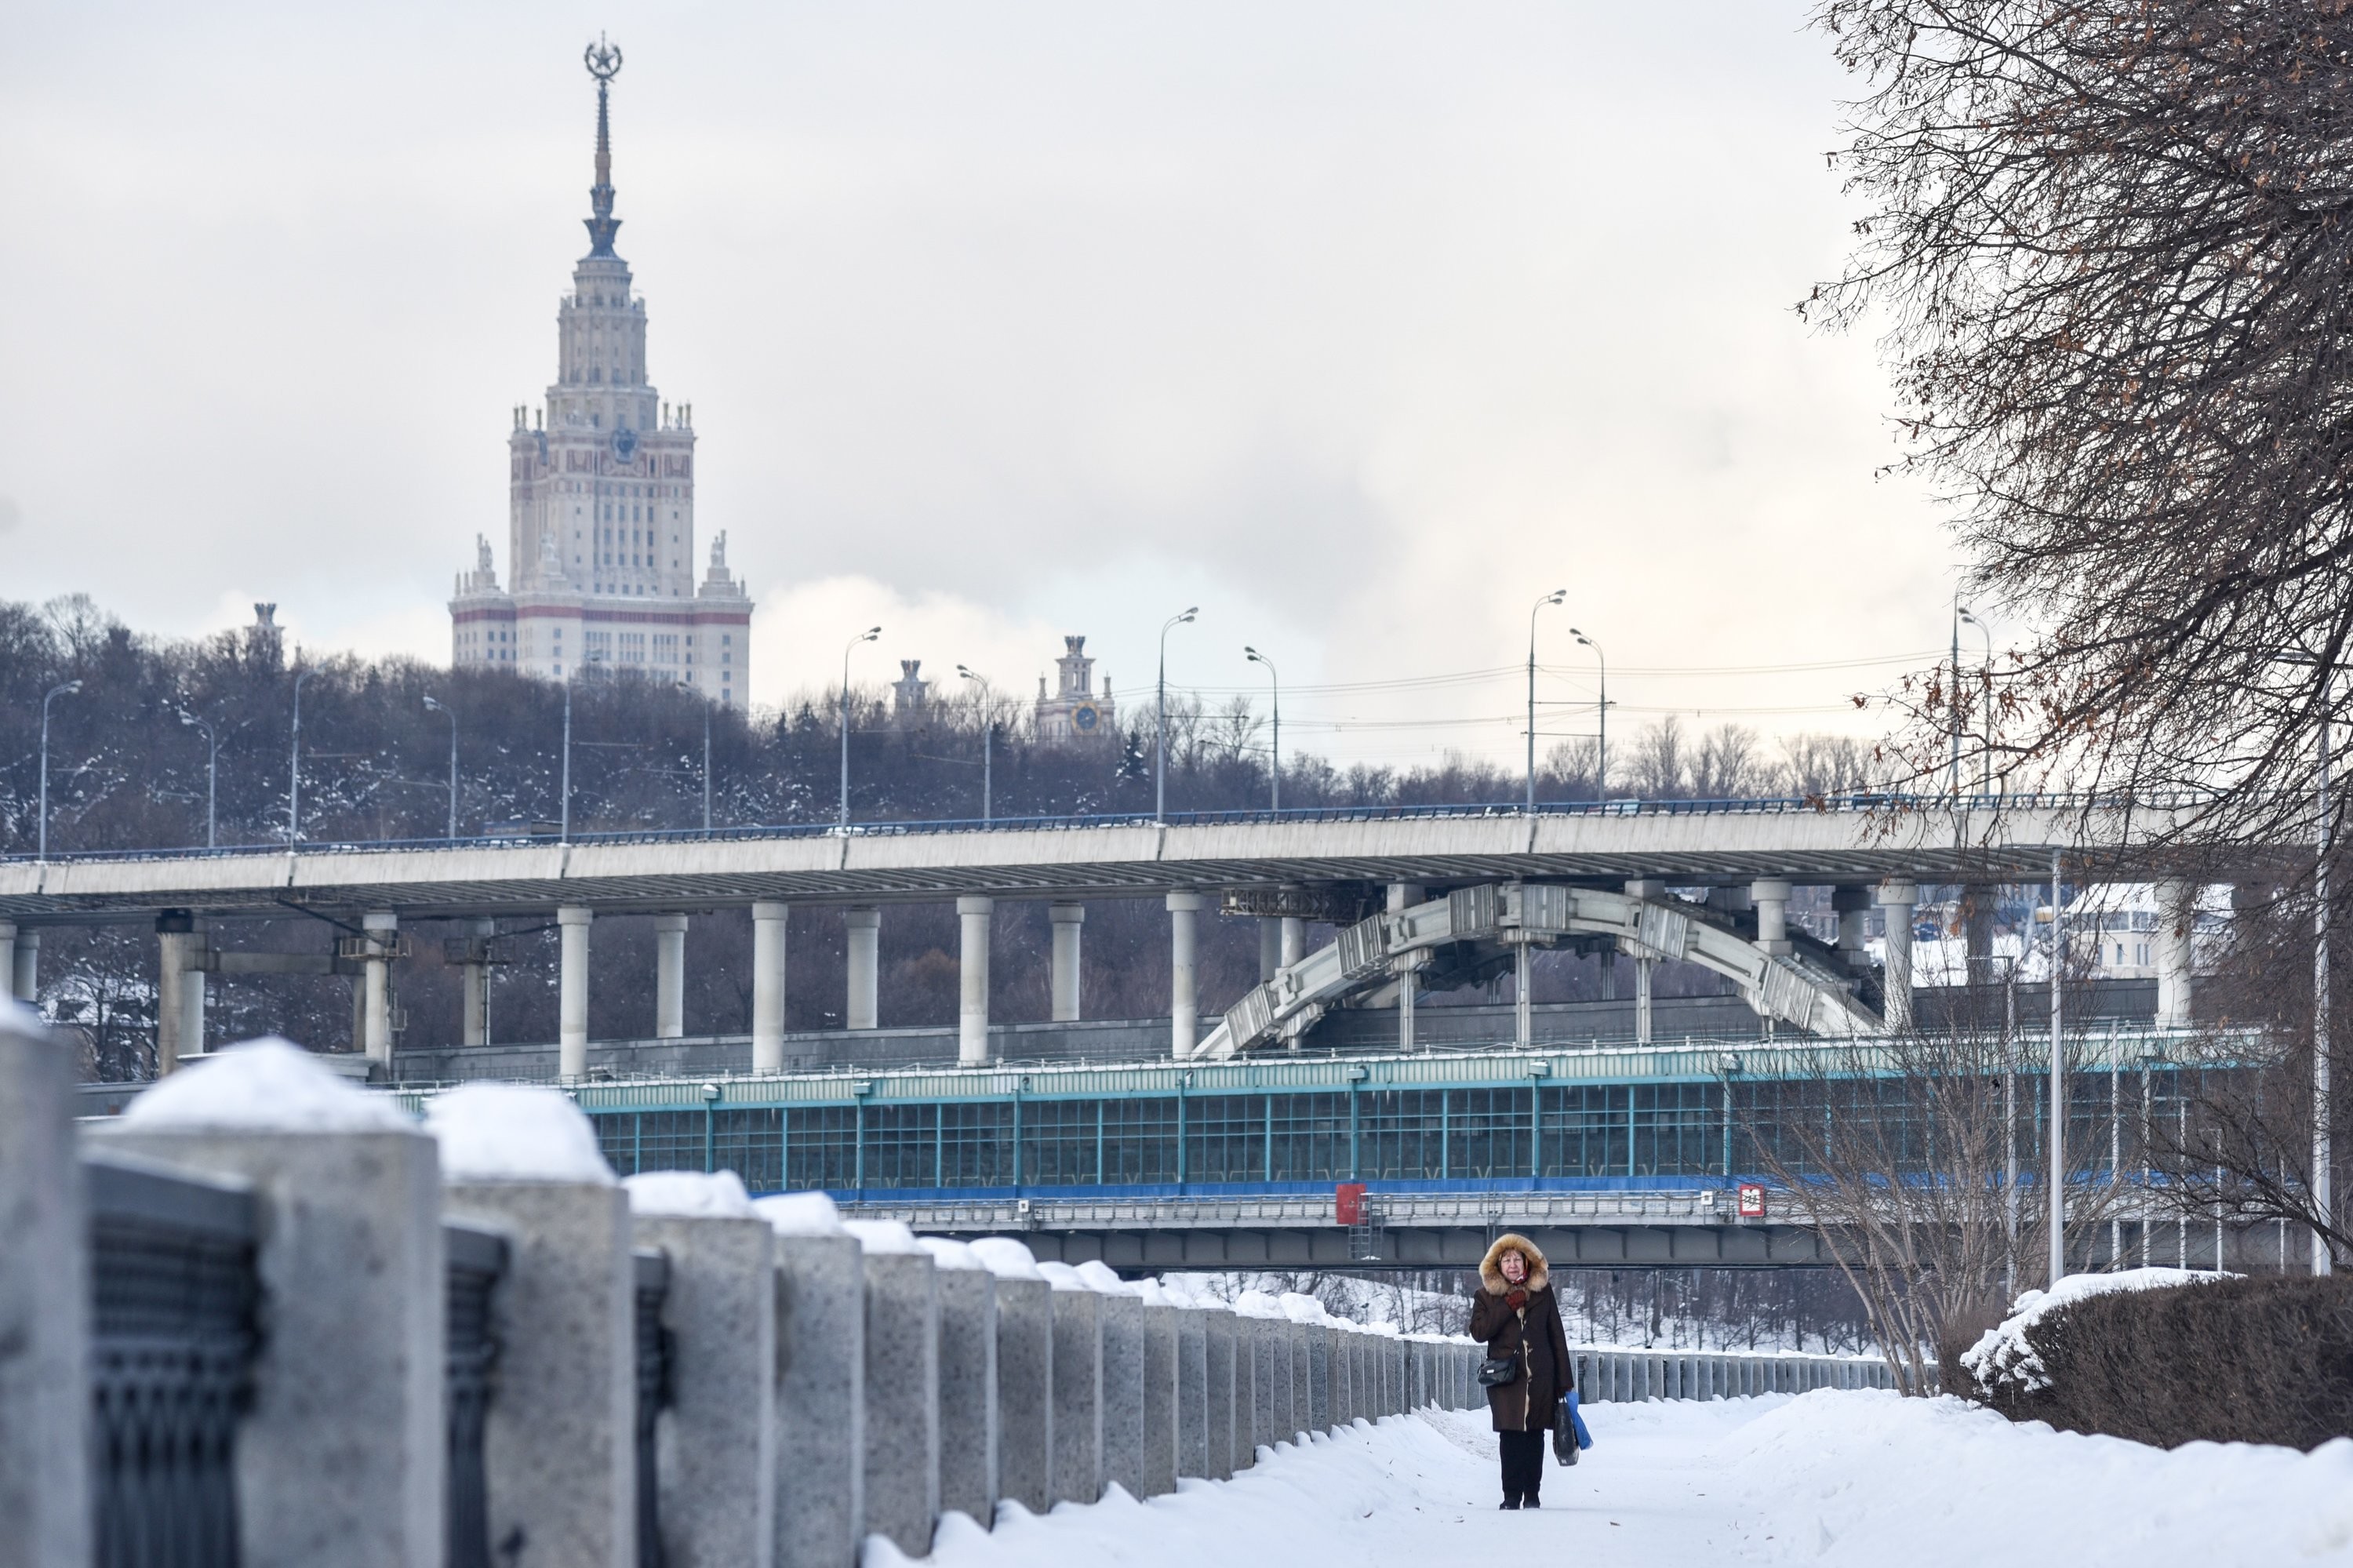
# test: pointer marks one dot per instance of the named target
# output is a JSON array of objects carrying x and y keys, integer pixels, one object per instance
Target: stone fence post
[
  {"x": 1077, "y": 1426},
  {"x": 44, "y": 1302},
  {"x": 348, "y": 1382},
  {"x": 1160, "y": 1338},
  {"x": 1025, "y": 1374},
  {"x": 560, "y": 1443},
  {"x": 968, "y": 1400},
  {"x": 902, "y": 1386},
  {"x": 1122, "y": 1378},
  {"x": 820, "y": 1475},
  {"x": 1218, "y": 1344},
  {"x": 715, "y": 1446},
  {"x": 1192, "y": 1392}
]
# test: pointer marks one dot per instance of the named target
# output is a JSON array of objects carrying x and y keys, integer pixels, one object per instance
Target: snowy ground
[{"x": 1830, "y": 1478}]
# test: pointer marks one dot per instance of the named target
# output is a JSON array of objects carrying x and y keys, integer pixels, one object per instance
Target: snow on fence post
[
  {"x": 560, "y": 1441},
  {"x": 44, "y": 1302},
  {"x": 1025, "y": 1374},
  {"x": 716, "y": 1440},
  {"x": 820, "y": 1473},
  {"x": 1192, "y": 1392},
  {"x": 347, "y": 1193},
  {"x": 1160, "y": 1337},
  {"x": 1077, "y": 1423},
  {"x": 967, "y": 1418},
  {"x": 1122, "y": 1379}
]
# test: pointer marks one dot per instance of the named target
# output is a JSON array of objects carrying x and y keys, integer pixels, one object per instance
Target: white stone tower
[{"x": 601, "y": 501}]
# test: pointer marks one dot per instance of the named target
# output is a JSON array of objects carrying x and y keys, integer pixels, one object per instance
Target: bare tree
[
  {"x": 2113, "y": 244},
  {"x": 1897, "y": 1152}
]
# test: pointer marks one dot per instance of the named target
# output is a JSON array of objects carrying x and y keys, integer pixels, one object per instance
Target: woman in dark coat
[{"x": 1516, "y": 1316}]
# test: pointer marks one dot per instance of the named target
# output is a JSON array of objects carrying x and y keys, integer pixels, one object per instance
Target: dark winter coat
[{"x": 1530, "y": 1333}]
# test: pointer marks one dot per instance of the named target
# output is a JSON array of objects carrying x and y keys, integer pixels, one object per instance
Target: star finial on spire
[{"x": 604, "y": 62}]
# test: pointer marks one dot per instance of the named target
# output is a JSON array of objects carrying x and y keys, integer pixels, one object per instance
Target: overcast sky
[{"x": 1359, "y": 325}]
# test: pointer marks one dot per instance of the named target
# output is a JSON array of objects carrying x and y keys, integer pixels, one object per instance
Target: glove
[{"x": 1516, "y": 1299}]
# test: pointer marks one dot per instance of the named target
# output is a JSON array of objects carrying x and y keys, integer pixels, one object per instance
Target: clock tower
[{"x": 601, "y": 500}]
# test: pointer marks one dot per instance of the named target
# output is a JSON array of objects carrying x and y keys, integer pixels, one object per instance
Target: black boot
[
  {"x": 1531, "y": 1500},
  {"x": 1509, "y": 1502}
]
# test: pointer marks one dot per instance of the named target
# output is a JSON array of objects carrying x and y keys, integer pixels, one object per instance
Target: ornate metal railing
[
  {"x": 477, "y": 1258},
  {"x": 171, "y": 1344},
  {"x": 653, "y": 1394}
]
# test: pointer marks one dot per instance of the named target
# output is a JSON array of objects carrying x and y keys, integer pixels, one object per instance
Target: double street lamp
[
  {"x": 1275, "y": 677},
  {"x": 1601, "y": 745},
  {"x": 53, "y": 694},
  {"x": 294, "y": 767}
]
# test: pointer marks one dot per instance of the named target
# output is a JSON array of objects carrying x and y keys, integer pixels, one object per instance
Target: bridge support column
[
  {"x": 7, "y": 958},
  {"x": 768, "y": 926},
  {"x": 1294, "y": 934},
  {"x": 1068, "y": 920},
  {"x": 1184, "y": 974},
  {"x": 1852, "y": 906},
  {"x": 1606, "y": 973},
  {"x": 476, "y": 1003},
  {"x": 572, "y": 992},
  {"x": 1523, "y": 1018},
  {"x": 1771, "y": 897},
  {"x": 670, "y": 977},
  {"x": 1649, "y": 890},
  {"x": 973, "y": 918},
  {"x": 1976, "y": 936},
  {"x": 382, "y": 927},
  {"x": 24, "y": 972},
  {"x": 1270, "y": 948},
  {"x": 865, "y": 955},
  {"x": 1896, "y": 899},
  {"x": 1408, "y": 967},
  {"x": 176, "y": 942},
  {"x": 2176, "y": 915}
]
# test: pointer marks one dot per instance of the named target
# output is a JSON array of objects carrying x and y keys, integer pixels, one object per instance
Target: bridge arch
[{"x": 1795, "y": 989}]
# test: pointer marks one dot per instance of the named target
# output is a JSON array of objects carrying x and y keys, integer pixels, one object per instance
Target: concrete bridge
[{"x": 1418, "y": 894}]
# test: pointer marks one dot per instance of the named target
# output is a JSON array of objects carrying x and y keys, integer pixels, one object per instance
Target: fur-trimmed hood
[{"x": 1491, "y": 1268}]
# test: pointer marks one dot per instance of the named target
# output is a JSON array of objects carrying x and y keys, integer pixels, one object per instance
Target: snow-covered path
[{"x": 1858, "y": 1478}]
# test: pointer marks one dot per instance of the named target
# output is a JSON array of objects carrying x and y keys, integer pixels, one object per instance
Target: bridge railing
[
  {"x": 1858, "y": 802},
  {"x": 1619, "y": 1375}
]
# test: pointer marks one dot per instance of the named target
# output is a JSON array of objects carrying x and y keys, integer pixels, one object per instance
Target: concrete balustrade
[
  {"x": 819, "y": 1382},
  {"x": 1609, "y": 1376}
]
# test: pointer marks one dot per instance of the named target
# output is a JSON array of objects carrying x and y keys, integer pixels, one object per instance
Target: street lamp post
[
  {"x": 212, "y": 775},
  {"x": 1274, "y": 677},
  {"x": 2058, "y": 1113},
  {"x": 987, "y": 736},
  {"x": 1601, "y": 742},
  {"x": 842, "y": 818},
  {"x": 53, "y": 694},
  {"x": 1160, "y": 734},
  {"x": 1553, "y": 598},
  {"x": 690, "y": 691},
  {"x": 1985, "y": 763},
  {"x": 294, "y": 768},
  {"x": 434, "y": 704},
  {"x": 1953, "y": 704},
  {"x": 564, "y": 785}
]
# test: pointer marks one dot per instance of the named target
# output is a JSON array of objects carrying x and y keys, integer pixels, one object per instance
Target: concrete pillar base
[
  {"x": 1184, "y": 974},
  {"x": 865, "y": 954},
  {"x": 670, "y": 977},
  {"x": 769, "y": 921},
  {"x": 572, "y": 992},
  {"x": 973, "y": 919},
  {"x": 1068, "y": 920}
]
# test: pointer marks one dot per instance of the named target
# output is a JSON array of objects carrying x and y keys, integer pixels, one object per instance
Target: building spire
[{"x": 604, "y": 62}]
